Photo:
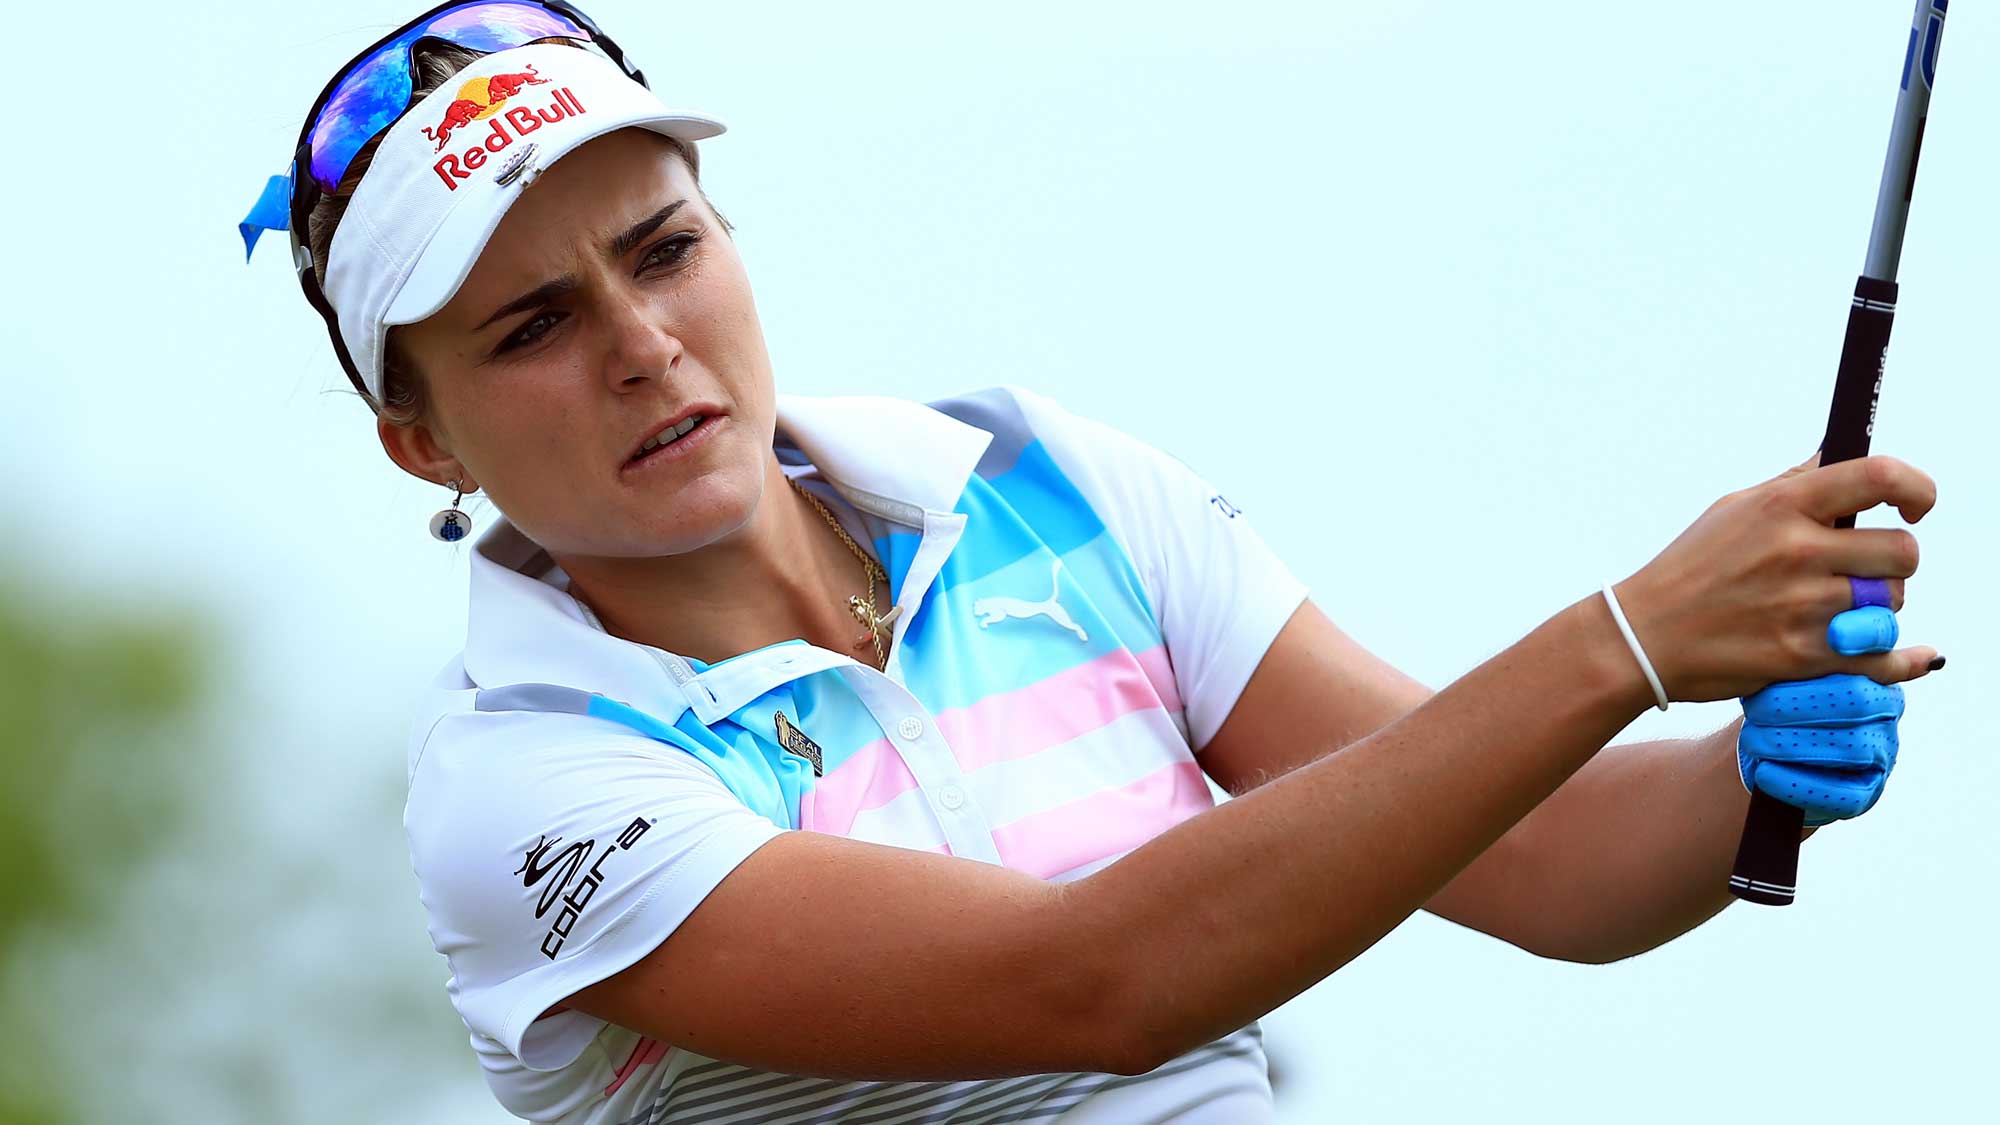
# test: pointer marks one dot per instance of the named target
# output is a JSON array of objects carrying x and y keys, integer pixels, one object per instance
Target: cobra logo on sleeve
[{"x": 538, "y": 865}]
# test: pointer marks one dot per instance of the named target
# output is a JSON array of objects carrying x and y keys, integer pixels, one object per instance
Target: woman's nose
[{"x": 643, "y": 347}]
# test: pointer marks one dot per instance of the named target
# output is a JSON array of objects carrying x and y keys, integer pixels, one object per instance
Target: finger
[
  {"x": 1868, "y": 552},
  {"x": 1896, "y": 667},
  {"x": 1825, "y": 794},
  {"x": 1869, "y": 629},
  {"x": 1852, "y": 487},
  {"x": 1840, "y": 699},
  {"x": 1834, "y": 595},
  {"x": 1860, "y": 746}
]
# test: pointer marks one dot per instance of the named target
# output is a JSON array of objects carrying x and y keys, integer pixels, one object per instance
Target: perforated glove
[{"x": 1826, "y": 745}]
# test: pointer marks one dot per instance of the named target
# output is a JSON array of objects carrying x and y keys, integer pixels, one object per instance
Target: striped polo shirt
[{"x": 1078, "y": 613}]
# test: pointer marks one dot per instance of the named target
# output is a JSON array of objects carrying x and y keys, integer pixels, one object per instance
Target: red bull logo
[
  {"x": 485, "y": 99},
  {"x": 479, "y": 99}
]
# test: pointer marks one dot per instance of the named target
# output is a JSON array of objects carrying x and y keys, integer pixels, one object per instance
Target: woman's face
[{"x": 609, "y": 303}]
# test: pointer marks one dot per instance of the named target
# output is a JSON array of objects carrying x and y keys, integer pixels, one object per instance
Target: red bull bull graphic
[
  {"x": 462, "y": 112},
  {"x": 500, "y": 87},
  {"x": 507, "y": 124},
  {"x": 480, "y": 98}
]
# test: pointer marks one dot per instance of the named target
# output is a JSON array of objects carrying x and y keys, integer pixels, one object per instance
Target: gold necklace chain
[{"x": 862, "y": 609}]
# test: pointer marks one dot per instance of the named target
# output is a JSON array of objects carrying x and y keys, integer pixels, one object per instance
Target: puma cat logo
[{"x": 995, "y": 609}]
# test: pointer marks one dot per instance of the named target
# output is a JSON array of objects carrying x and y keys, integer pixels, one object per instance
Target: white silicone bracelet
[{"x": 1645, "y": 665}]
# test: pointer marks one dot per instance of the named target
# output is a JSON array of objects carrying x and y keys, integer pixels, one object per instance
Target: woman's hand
[{"x": 1743, "y": 597}]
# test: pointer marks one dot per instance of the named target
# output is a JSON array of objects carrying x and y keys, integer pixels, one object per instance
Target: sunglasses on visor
[{"x": 372, "y": 91}]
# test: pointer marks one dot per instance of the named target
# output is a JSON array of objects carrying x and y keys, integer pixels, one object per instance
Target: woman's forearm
[
  {"x": 1211, "y": 924},
  {"x": 1635, "y": 850}
]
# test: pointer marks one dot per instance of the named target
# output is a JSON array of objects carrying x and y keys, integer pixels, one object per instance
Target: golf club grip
[{"x": 1767, "y": 858}]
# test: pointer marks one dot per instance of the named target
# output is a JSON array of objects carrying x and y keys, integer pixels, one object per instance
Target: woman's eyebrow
[
  {"x": 533, "y": 299},
  {"x": 637, "y": 232},
  {"x": 620, "y": 246}
]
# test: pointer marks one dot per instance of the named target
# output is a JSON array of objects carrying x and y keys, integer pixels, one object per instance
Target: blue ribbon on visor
[{"x": 272, "y": 211}]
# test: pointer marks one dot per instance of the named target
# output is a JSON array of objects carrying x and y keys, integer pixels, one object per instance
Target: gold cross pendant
[{"x": 865, "y": 613}]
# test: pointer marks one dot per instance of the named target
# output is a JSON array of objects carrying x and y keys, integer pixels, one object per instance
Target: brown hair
[{"x": 433, "y": 63}]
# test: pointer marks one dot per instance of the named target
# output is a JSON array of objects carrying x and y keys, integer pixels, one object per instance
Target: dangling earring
[{"x": 451, "y": 525}]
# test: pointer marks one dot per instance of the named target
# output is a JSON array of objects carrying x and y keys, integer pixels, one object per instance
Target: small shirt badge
[{"x": 794, "y": 740}]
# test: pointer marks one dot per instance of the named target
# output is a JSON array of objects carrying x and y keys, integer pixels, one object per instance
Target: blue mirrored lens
[{"x": 376, "y": 90}]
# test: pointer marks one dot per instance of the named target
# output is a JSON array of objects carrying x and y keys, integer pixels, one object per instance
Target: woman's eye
[
  {"x": 528, "y": 333},
  {"x": 669, "y": 252}
]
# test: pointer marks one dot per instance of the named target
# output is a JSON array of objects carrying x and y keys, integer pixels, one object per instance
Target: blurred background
[{"x": 1472, "y": 307}]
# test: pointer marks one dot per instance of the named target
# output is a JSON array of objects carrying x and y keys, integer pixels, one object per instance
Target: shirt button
[
  {"x": 911, "y": 727},
  {"x": 951, "y": 796}
]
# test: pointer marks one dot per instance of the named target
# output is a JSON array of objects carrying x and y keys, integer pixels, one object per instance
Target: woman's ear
[{"x": 417, "y": 450}]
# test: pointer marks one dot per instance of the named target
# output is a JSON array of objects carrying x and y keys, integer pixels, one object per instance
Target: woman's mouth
[{"x": 675, "y": 443}]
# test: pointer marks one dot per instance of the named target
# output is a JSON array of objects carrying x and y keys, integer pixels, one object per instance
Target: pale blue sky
[{"x": 1470, "y": 308}]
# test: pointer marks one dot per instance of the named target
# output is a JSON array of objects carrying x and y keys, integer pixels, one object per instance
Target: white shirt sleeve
[
  {"x": 550, "y": 854},
  {"x": 1219, "y": 593}
]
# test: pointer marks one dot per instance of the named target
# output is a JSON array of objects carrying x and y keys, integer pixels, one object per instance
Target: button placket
[{"x": 931, "y": 763}]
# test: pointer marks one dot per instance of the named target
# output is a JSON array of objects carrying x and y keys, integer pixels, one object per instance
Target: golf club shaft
[{"x": 1767, "y": 859}]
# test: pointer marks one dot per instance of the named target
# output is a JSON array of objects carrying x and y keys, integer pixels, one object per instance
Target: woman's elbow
[{"x": 1092, "y": 993}]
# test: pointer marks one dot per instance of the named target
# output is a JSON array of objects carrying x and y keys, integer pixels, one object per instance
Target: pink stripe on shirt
[
  {"x": 1160, "y": 671},
  {"x": 1002, "y": 727},
  {"x": 1104, "y": 823},
  {"x": 644, "y": 1053},
  {"x": 1015, "y": 724},
  {"x": 871, "y": 778}
]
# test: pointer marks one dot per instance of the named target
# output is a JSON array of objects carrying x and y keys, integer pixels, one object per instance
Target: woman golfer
[{"x": 842, "y": 758}]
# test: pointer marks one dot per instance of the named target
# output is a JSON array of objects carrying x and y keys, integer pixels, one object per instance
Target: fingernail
[{"x": 1936, "y": 663}]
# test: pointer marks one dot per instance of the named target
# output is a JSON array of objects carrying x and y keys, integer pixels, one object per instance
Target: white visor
[{"x": 445, "y": 173}]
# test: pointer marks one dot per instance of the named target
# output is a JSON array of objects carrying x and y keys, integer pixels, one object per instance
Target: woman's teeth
[{"x": 669, "y": 436}]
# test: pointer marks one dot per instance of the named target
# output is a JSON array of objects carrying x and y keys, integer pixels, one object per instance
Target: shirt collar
[
  {"x": 901, "y": 460},
  {"x": 903, "y": 454}
]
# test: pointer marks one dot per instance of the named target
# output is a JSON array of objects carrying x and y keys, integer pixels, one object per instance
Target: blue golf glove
[{"x": 1826, "y": 745}]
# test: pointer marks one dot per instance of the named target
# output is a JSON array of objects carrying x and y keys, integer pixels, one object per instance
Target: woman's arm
[
  {"x": 1634, "y": 850},
  {"x": 826, "y": 956},
  {"x": 1324, "y": 691},
  {"x": 1629, "y": 853},
  {"x": 1322, "y": 684}
]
